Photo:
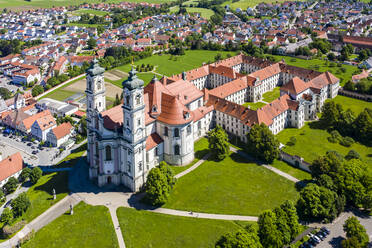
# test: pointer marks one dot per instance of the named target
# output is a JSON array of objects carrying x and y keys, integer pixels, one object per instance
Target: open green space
[
  {"x": 147, "y": 229},
  {"x": 271, "y": 95},
  {"x": 84, "y": 25},
  {"x": 20, "y": 5},
  {"x": 355, "y": 105},
  {"x": 232, "y": 186},
  {"x": 167, "y": 66},
  {"x": 145, "y": 76},
  {"x": 244, "y": 4},
  {"x": 200, "y": 150},
  {"x": 60, "y": 94},
  {"x": 312, "y": 143},
  {"x": 295, "y": 172},
  {"x": 320, "y": 65},
  {"x": 90, "y": 12},
  {"x": 205, "y": 13},
  {"x": 89, "y": 226},
  {"x": 254, "y": 105},
  {"x": 41, "y": 195},
  {"x": 74, "y": 157}
]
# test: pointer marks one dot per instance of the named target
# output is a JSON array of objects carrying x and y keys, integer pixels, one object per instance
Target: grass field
[
  {"x": 297, "y": 173},
  {"x": 167, "y": 231},
  {"x": 200, "y": 150},
  {"x": 271, "y": 95},
  {"x": 314, "y": 63},
  {"x": 244, "y": 4},
  {"x": 355, "y": 105},
  {"x": 312, "y": 143},
  {"x": 41, "y": 195},
  {"x": 164, "y": 66},
  {"x": 232, "y": 186},
  {"x": 254, "y": 105},
  {"x": 145, "y": 76},
  {"x": 88, "y": 227},
  {"x": 75, "y": 156},
  {"x": 205, "y": 13}
]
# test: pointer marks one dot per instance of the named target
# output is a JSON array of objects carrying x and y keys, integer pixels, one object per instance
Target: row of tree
[
  {"x": 16, "y": 46},
  {"x": 334, "y": 117},
  {"x": 364, "y": 86},
  {"x": 276, "y": 228}
]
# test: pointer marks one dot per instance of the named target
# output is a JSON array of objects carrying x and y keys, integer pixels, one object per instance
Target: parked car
[
  {"x": 34, "y": 152},
  {"x": 29, "y": 144},
  {"x": 320, "y": 235},
  {"x": 325, "y": 229}
]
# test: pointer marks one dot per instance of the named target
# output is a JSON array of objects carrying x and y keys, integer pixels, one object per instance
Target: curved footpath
[{"x": 82, "y": 189}]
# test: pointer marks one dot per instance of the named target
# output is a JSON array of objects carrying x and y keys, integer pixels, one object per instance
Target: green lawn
[
  {"x": 41, "y": 195},
  {"x": 200, "y": 150},
  {"x": 191, "y": 60},
  {"x": 355, "y": 105},
  {"x": 75, "y": 156},
  {"x": 232, "y": 186},
  {"x": 145, "y": 76},
  {"x": 146, "y": 229},
  {"x": 295, "y": 172},
  {"x": 60, "y": 94},
  {"x": 86, "y": 25},
  {"x": 244, "y": 4},
  {"x": 314, "y": 63},
  {"x": 271, "y": 95},
  {"x": 254, "y": 105},
  {"x": 89, "y": 226},
  {"x": 312, "y": 143},
  {"x": 205, "y": 13}
]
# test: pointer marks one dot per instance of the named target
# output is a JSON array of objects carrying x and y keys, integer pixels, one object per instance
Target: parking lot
[
  {"x": 337, "y": 233},
  {"x": 31, "y": 153},
  {"x": 5, "y": 82}
]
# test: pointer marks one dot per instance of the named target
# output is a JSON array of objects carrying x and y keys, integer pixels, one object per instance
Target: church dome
[
  {"x": 133, "y": 82},
  {"x": 95, "y": 69}
]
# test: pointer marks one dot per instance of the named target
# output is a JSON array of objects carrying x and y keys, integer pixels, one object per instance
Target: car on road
[
  {"x": 29, "y": 144},
  {"x": 34, "y": 152}
]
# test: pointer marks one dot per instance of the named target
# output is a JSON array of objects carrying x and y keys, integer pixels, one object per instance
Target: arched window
[
  {"x": 96, "y": 148},
  {"x": 176, "y": 132},
  {"x": 176, "y": 150},
  {"x": 127, "y": 98},
  {"x": 138, "y": 99},
  {"x": 108, "y": 153}
]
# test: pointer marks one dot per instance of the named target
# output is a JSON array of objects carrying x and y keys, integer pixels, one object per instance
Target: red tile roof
[
  {"x": 62, "y": 130},
  {"x": 11, "y": 165},
  {"x": 153, "y": 140}
]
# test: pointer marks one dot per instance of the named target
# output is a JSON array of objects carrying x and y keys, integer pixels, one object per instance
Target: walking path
[
  {"x": 13, "y": 195},
  {"x": 279, "y": 172},
  {"x": 115, "y": 221},
  {"x": 196, "y": 165},
  {"x": 42, "y": 220}
]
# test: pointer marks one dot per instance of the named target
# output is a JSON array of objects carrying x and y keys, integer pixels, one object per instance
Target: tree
[
  {"x": 160, "y": 181},
  {"x": 351, "y": 243},
  {"x": 330, "y": 114},
  {"x": 354, "y": 230},
  {"x": 352, "y": 154},
  {"x": 92, "y": 43},
  {"x": 37, "y": 90},
  {"x": 317, "y": 203},
  {"x": 6, "y": 216},
  {"x": 268, "y": 232},
  {"x": 25, "y": 174},
  {"x": 262, "y": 143},
  {"x": 5, "y": 93},
  {"x": 363, "y": 126},
  {"x": 20, "y": 204},
  {"x": 117, "y": 100},
  {"x": 239, "y": 239},
  {"x": 10, "y": 186},
  {"x": 325, "y": 165},
  {"x": 35, "y": 175},
  {"x": 282, "y": 225},
  {"x": 218, "y": 143},
  {"x": 292, "y": 218}
]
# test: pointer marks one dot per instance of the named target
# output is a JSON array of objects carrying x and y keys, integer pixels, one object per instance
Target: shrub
[
  {"x": 352, "y": 154},
  {"x": 7, "y": 216},
  {"x": 10, "y": 230},
  {"x": 25, "y": 174},
  {"x": 20, "y": 204},
  {"x": 347, "y": 141},
  {"x": 335, "y": 137},
  {"x": 35, "y": 175},
  {"x": 10, "y": 186},
  {"x": 292, "y": 141}
]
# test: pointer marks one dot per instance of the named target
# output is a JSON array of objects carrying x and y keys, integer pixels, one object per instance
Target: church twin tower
[{"x": 117, "y": 146}]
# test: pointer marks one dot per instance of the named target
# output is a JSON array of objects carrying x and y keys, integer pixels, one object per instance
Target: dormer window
[
  {"x": 186, "y": 115},
  {"x": 154, "y": 109}
]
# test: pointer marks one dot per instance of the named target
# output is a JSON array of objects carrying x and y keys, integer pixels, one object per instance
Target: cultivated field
[{"x": 205, "y": 13}]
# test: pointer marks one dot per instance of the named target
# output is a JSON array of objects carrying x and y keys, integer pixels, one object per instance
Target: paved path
[
  {"x": 279, "y": 172},
  {"x": 13, "y": 195},
  {"x": 196, "y": 165},
  {"x": 115, "y": 221},
  {"x": 58, "y": 86},
  {"x": 42, "y": 220}
]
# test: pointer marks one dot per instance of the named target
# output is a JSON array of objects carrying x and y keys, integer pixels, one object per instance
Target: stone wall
[
  {"x": 295, "y": 161},
  {"x": 355, "y": 95}
]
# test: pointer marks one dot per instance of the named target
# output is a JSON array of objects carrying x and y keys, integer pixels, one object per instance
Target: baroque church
[{"x": 161, "y": 122}]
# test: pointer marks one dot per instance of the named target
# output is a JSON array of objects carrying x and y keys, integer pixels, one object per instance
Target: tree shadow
[
  {"x": 336, "y": 241},
  {"x": 317, "y": 125},
  {"x": 58, "y": 182}
]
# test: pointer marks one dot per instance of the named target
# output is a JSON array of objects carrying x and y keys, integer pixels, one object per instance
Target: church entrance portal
[{"x": 108, "y": 180}]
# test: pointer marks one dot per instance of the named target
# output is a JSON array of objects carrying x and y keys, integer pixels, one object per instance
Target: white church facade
[{"x": 161, "y": 122}]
